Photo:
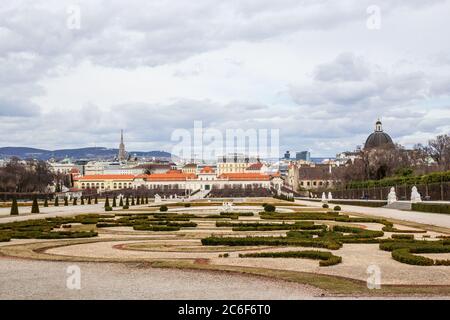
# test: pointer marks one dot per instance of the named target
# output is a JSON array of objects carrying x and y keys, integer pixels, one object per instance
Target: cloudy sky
[{"x": 73, "y": 73}]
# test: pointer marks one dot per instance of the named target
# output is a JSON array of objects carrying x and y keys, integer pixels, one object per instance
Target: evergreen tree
[
  {"x": 114, "y": 202},
  {"x": 146, "y": 200},
  {"x": 75, "y": 201},
  {"x": 82, "y": 200},
  {"x": 56, "y": 204},
  {"x": 121, "y": 202},
  {"x": 66, "y": 201},
  {"x": 127, "y": 202},
  {"x": 107, "y": 202},
  {"x": 14, "y": 208},
  {"x": 35, "y": 206},
  {"x": 89, "y": 200},
  {"x": 96, "y": 200},
  {"x": 46, "y": 202},
  {"x": 138, "y": 200},
  {"x": 132, "y": 201}
]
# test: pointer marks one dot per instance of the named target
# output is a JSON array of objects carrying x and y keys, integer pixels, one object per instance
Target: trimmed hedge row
[
  {"x": 392, "y": 229},
  {"x": 403, "y": 236},
  {"x": 371, "y": 204},
  {"x": 409, "y": 180},
  {"x": 240, "y": 214},
  {"x": 155, "y": 228},
  {"x": 270, "y": 241},
  {"x": 326, "y": 258},
  {"x": 403, "y": 250},
  {"x": 434, "y": 208}
]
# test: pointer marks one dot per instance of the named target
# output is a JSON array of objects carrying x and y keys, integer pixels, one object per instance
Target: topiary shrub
[
  {"x": 35, "y": 206},
  {"x": 46, "y": 203},
  {"x": 325, "y": 206},
  {"x": 56, "y": 204},
  {"x": 269, "y": 208},
  {"x": 14, "y": 208},
  {"x": 187, "y": 205},
  {"x": 125, "y": 207},
  {"x": 163, "y": 208},
  {"x": 337, "y": 208},
  {"x": 108, "y": 209}
]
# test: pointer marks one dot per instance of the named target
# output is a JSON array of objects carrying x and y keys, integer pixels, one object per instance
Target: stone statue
[
  {"x": 157, "y": 198},
  {"x": 330, "y": 196},
  {"x": 392, "y": 197},
  {"x": 415, "y": 195},
  {"x": 227, "y": 206},
  {"x": 324, "y": 197}
]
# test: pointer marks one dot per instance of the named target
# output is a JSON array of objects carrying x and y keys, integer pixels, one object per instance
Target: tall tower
[{"x": 122, "y": 153}]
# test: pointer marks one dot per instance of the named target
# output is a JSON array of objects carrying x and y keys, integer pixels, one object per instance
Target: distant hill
[{"x": 76, "y": 154}]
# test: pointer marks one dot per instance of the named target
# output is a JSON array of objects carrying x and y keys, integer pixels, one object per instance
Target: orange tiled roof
[
  {"x": 245, "y": 176},
  {"x": 255, "y": 166},
  {"x": 207, "y": 170},
  {"x": 107, "y": 177},
  {"x": 170, "y": 176}
]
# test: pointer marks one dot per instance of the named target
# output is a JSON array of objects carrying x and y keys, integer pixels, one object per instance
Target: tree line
[
  {"x": 30, "y": 176},
  {"x": 395, "y": 160}
]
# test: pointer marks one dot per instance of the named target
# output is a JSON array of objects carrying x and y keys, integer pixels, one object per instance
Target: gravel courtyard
[{"x": 29, "y": 279}]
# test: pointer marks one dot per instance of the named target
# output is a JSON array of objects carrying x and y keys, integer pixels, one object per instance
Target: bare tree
[{"x": 439, "y": 150}]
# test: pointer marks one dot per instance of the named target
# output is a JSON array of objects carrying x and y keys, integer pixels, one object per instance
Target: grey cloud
[{"x": 17, "y": 108}]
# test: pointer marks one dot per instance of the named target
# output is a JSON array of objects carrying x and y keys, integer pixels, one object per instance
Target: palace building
[{"x": 206, "y": 179}]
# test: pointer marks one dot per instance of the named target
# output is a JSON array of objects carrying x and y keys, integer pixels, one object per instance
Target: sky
[{"x": 73, "y": 73}]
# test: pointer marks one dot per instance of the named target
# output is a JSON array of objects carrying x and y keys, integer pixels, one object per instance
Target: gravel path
[{"x": 26, "y": 279}]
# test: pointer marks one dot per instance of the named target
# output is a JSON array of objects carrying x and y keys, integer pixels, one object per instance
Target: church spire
[{"x": 122, "y": 156}]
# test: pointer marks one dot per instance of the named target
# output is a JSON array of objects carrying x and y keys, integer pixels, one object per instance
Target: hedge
[
  {"x": 270, "y": 241},
  {"x": 434, "y": 208},
  {"x": 240, "y": 214},
  {"x": 402, "y": 251},
  {"x": 403, "y": 236},
  {"x": 326, "y": 258},
  {"x": 372, "y": 204},
  {"x": 155, "y": 228},
  {"x": 392, "y": 229},
  {"x": 404, "y": 256},
  {"x": 434, "y": 177}
]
